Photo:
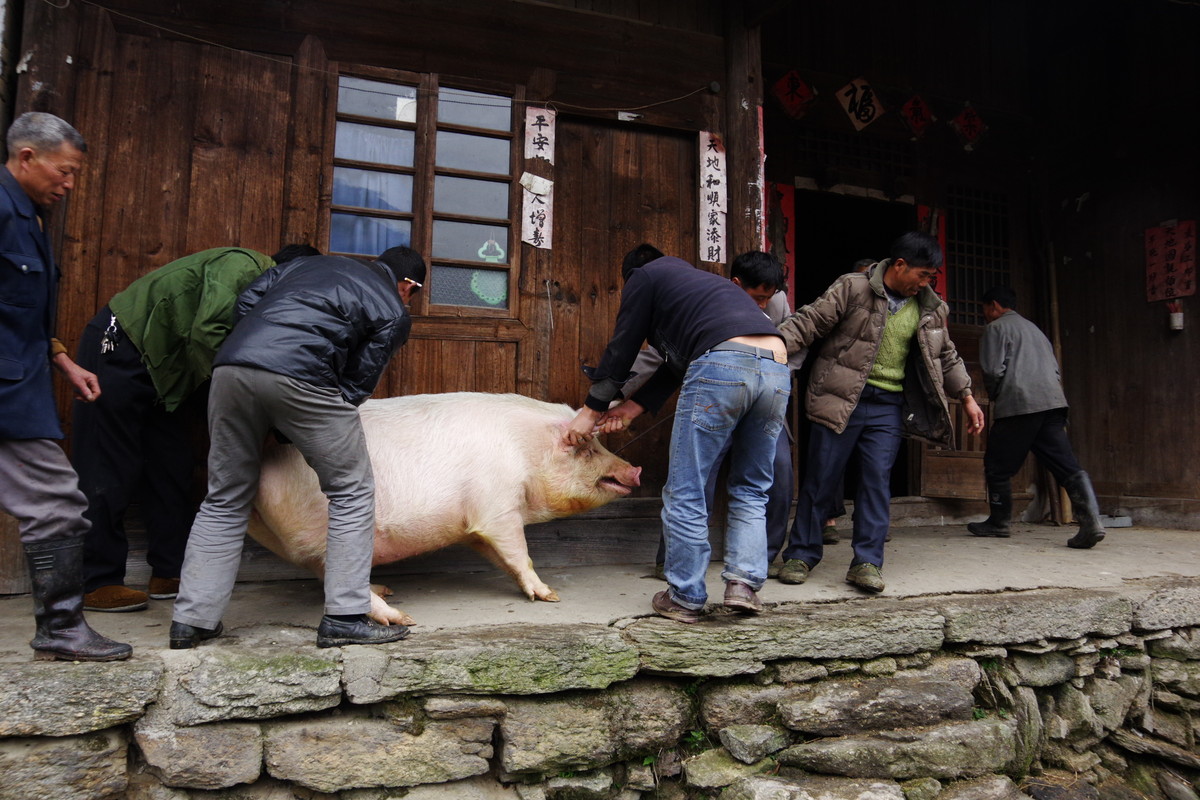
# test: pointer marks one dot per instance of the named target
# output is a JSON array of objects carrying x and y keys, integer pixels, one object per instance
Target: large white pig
[{"x": 464, "y": 467}]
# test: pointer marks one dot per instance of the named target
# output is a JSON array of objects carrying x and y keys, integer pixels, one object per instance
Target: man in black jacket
[{"x": 313, "y": 337}]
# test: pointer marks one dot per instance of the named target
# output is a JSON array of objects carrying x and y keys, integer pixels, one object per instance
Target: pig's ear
[{"x": 560, "y": 435}]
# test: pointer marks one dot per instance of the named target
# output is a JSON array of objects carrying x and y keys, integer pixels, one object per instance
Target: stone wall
[{"x": 1050, "y": 694}]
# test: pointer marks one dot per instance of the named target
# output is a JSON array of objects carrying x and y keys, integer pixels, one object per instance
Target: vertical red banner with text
[{"x": 933, "y": 220}]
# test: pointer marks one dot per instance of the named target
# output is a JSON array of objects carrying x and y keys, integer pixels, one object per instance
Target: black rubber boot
[
  {"x": 1087, "y": 511},
  {"x": 56, "y": 570},
  {"x": 1000, "y": 512}
]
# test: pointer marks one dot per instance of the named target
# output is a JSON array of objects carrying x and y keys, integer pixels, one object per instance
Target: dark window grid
[
  {"x": 977, "y": 249},
  {"x": 868, "y": 153}
]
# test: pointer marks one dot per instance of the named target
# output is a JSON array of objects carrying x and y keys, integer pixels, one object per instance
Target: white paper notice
[
  {"x": 713, "y": 198},
  {"x": 537, "y": 211},
  {"x": 539, "y": 133}
]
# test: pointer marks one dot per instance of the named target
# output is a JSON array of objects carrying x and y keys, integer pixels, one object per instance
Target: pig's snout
[{"x": 622, "y": 481}]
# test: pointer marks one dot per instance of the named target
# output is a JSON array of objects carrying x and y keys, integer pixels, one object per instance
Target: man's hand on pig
[
  {"x": 582, "y": 428},
  {"x": 620, "y": 416}
]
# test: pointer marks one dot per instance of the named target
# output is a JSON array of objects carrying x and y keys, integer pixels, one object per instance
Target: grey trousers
[
  {"x": 39, "y": 487},
  {"x": 243, "y": 405}
]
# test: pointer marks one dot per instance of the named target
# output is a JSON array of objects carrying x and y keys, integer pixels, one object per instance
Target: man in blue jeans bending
[{"x": 730, "y": 360}]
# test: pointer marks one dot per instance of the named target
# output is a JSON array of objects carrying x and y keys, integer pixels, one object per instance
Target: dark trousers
[
  {"x": 873, "y": 433},
  {"x": 126, "y": 447},
  {"x": 1043, "y": 432}
]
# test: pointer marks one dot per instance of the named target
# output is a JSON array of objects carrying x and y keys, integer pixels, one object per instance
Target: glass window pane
[
  {"x": 359, "y": 142},
  {"x": 366, "y": 188},
  {"x": 470, "y": 197},
  {"x": 366, "y": 98},
  {"x": 460, "y": 107},
  {"x": 474, "y": 153},
  {"x": 368, "y": 236},
  {"x": 468, "y": 241},
  {"x": 459, "y": 286}
]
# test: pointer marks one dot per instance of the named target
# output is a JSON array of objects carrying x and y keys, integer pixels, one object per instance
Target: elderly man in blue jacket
[{"x": 37, "y": 484}]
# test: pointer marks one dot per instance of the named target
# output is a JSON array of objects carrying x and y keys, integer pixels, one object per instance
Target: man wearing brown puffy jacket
[{"x": 884, "y": 371}]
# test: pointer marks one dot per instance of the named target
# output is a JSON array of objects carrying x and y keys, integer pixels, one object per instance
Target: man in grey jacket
[{"x": 1029, "y": 412}]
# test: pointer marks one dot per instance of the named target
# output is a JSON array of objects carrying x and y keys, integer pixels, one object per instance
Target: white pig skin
[{"x": 463, "y": 467}]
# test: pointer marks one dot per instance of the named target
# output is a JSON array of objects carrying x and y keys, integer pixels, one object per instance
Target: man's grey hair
[{"x": 42, "y": 131}]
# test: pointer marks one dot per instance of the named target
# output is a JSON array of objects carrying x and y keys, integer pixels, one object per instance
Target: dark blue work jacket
[{"x": 28, "y": 306}]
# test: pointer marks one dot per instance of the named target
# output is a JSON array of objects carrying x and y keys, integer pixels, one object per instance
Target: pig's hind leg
[
  {"x": 380, "y": 611},
  {"x": 503, "y": 543}
]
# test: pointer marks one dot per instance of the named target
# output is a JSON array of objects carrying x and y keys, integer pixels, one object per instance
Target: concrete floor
[{"x": 920, "y": 561}]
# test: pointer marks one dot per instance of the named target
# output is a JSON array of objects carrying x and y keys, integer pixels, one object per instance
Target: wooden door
[{"x": 615, "y": 188}]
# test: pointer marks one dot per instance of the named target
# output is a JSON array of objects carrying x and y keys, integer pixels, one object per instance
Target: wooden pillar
[{"x": 743, "y": 132}]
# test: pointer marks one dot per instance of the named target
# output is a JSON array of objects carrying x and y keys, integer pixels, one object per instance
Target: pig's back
[{"x": 441, "y": 457}]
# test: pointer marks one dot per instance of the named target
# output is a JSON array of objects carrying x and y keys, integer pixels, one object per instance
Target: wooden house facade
[{"x": 354, "y": 125}]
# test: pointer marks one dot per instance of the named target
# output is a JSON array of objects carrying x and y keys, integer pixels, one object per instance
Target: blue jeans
[
  {"x": 727, "y": 398},
  {"x": 874, "y": 432},
  {"x": 779, "y": 498}
]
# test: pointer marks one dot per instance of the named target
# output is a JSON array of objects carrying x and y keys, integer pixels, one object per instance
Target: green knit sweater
[{"x": 888, "y": 370}]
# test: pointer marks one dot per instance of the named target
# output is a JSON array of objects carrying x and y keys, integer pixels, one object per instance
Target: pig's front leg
[{"x": 503, "y": 543}]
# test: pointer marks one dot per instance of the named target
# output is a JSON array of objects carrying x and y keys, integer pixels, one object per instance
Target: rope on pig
[{"x": 643, "y": 433}]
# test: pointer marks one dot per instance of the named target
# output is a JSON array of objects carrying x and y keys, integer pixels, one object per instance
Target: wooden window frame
[{"x": 424, "y": 172}]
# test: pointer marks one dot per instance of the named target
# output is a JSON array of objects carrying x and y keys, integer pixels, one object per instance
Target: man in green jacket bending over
[{"x": 152, "y": 347}]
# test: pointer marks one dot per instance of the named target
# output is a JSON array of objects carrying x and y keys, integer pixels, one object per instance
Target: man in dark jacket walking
[
  {"x": 1029, "y": 412},
  {"x": 313, "y": 338},
  {"x": 37, "y": 484}
]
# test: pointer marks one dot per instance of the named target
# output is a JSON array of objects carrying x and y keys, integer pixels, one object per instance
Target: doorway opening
[{"x": 833, "y": 231}]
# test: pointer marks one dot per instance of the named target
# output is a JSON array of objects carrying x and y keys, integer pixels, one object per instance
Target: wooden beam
[{"x": 743, "y": 134}]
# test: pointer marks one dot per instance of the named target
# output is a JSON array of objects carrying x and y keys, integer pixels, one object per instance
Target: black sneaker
[
  {"x": 185, "y": 637},
  {"x": 363, "y": 630}
]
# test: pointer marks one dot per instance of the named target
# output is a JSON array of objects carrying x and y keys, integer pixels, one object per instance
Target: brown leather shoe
[
  {"x": 666, "y": 607},
  {"x": 740, "y": 597},
  {"x": 115, "y": 598},
  {"x": 163, "y": 588}
]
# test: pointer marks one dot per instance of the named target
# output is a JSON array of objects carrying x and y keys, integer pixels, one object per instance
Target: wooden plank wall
[
  {"x": 1124, "y": 159},
  {"x": 648, "y": 195}
]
